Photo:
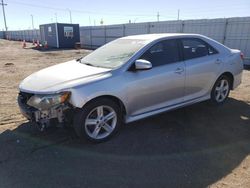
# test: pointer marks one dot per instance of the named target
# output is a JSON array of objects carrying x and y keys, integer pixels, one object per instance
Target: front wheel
[
  {"x": 221, "y": 90},
  {"x": 98, "y": 121}
]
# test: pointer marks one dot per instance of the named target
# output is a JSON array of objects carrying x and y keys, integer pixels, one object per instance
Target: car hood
[{"x": 62, "y": 76}]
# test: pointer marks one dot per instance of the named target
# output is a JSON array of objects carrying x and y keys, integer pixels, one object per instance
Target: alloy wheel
[
  {"x": 221, "y": 90},
  {"x": 100, "y": 122}
]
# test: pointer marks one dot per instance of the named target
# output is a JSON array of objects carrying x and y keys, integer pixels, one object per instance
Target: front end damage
[{"x": 57, "y": 115}]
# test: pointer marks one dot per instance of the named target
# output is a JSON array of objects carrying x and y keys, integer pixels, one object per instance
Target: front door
[{"x": 161, "y": 86}]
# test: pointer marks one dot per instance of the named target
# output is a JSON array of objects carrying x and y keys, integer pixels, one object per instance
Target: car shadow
[{"x": 190, "y": 147}]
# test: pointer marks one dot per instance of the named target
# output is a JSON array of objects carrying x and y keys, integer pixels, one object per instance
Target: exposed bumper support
[{"x": 43, "y": 118}]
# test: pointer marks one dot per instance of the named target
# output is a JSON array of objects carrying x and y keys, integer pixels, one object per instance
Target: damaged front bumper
[{"x": 44, "y": 118}]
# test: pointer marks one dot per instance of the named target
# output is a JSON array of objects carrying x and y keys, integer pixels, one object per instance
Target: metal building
[
  {"x": 1, "y": 35},
  {"x": 60, "y": 35}
]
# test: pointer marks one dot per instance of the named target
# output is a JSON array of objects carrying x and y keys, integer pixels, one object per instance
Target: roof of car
[
  {"x": 152, "y": 37},
  {"x": 148, "y": 38}
]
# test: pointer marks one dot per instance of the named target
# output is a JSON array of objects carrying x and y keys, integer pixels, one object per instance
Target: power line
[
  {"x": 171, "y": 14},
  {"x": 79, "y": 11},
  {"x": 4, "y": 17},
  {"x": 189, "y": 12}
]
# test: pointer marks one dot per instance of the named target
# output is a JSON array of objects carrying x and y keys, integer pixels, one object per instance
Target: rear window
[{"x": 195, "y": 48}]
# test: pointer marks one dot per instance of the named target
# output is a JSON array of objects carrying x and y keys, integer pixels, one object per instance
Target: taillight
[{"x": 242, "y": 56}]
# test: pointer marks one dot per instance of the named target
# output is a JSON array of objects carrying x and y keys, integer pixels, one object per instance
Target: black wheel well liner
[
  {"x": 230, "y": 76},
  {"x": 113, "y": 98}
]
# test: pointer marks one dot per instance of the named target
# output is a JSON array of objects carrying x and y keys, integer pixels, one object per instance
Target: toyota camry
[{"x": 129, "y": 79}]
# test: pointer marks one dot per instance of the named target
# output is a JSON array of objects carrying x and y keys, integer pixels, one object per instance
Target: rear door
[{"x": 202, "y": 67}]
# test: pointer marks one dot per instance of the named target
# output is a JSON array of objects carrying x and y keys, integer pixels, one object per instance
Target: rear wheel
[
  {"x": 221, "y": 90},
  {"x": 98, "y": 121}
]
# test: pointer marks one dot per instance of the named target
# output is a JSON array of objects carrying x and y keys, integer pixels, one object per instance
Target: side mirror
[{"x": 142, "y": 64}]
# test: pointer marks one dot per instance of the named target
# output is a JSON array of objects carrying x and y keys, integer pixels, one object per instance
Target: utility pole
[
  {"x": 70, "y": 16},
  {"x": 4, "y": 17},
  {"x": 178, "y": 18},
  {"x": 158, "y": 16},
  {"x": 102, "y": 22},
  {"x": 56, "y": 17},
  {"x": 89, "y": 21},
  {"x": 32, "y": 21}
]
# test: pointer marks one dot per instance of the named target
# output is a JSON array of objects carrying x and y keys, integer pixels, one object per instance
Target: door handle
[{"x": 179, "y": 70}]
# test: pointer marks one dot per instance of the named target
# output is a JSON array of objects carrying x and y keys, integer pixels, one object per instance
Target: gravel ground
[{"x": 198, "y": 146}]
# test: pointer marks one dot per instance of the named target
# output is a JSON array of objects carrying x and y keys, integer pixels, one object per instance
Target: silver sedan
[{"x": 129, "y": 79}]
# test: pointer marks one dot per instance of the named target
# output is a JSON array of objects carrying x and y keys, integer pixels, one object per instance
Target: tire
[
  {"x": 221, "y": 90},
  {"x": 98, "y": 120}
]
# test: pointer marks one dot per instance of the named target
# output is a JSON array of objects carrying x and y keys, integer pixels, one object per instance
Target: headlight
[{"x": 44, "y": 102}]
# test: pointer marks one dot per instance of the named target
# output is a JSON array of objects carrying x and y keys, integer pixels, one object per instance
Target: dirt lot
[{"x": 198, "y": 146}]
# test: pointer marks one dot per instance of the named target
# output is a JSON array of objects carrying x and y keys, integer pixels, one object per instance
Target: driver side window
[{"x": 162, "y": 53}]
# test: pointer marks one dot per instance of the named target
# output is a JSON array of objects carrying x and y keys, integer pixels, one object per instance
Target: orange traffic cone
[
  {"x": 24, "y": 44},
  {"x": 46, "y": 46},
  {"x": 37, "y": 44}
]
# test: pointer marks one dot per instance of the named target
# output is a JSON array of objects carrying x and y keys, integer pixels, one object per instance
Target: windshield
[{"x": 114, "y": 54}]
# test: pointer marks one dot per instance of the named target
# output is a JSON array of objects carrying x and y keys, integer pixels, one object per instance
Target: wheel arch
[
  {"x": 111, "y": 97},
  {"x": 230, "y": 76}
]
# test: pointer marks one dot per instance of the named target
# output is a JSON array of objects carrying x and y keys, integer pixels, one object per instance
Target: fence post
[
  {"x": 91, "y": 44},
  {"x": 148, "y": 27},
  {"x": 182, "y": 26},
  {"x": 225, "y": 32},
  {"x": 105, "y": 35},
  {"x": 124, "y": 29}
]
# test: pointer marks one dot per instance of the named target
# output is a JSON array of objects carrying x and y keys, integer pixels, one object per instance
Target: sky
[{"x": 19, "y": 13}]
